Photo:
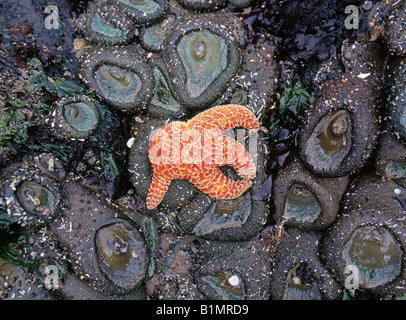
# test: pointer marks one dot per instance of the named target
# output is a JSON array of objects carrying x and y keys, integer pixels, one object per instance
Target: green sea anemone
[
  {"x": 120, "y": 77},
  {"x": 106, "y": 24},
  {"x": 75, "y": 117},
  {"x": 201, "y": 59}
]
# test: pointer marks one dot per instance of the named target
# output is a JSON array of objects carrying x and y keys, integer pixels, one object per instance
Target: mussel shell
[
  {"x": 106, "y": 24},
  {"x": 126, "y": 62}
]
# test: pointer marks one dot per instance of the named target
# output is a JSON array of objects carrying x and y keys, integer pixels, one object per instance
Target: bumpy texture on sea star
[{"x": 195, "y": 149}]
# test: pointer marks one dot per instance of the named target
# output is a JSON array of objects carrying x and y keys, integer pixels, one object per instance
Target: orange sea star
[{"x": 195, "y": 149}]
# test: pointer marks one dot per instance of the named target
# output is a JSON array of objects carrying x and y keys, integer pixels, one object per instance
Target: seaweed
[
  {"x": 114, "y": 171},
  {"x": 292, "y": 105},
  {"x": 13, "y": 125},
  {"x": 56, "y": 85},
  {"x": 11, "y": 239},
  {"x": 285, "y": 122},
  {"x": 308, "y": 28}
]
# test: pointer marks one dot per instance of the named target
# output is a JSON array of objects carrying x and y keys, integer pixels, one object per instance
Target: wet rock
[
  {"x": 298, "y": 272},
  {"x": 18, "y": 284},
  {"x": 380, "y": 225},
  {"x": 390, "y": 158},
  {"x": 305, "y": 200},
  {"x": 31, "y": 195},
  {"x": 340, "y": 129},
  {"x": 178, "y": 259},
  {"x": 74, "y": 288},
  {"x": 247, "y": 261},
  {"x": 106, "y": 249}
]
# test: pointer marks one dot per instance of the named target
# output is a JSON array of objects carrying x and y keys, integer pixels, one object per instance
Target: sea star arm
[
  {"x": 223, "y": 150},
  {"x": 214, "y": 183},
  {"x": 225, "y": 117},
  {"x": 159, "y": 186},
  {"x": 238, "y": 158}
]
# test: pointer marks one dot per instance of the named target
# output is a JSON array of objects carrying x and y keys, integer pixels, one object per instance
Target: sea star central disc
[{"x": 195, "y": 149}]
